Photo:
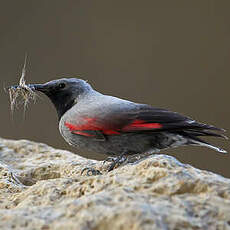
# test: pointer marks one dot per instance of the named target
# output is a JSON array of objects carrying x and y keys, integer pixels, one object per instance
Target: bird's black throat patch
[{"x": 62, "y": 102}]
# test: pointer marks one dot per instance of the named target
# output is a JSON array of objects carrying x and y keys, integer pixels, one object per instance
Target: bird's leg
[
  {"x": 137, "y": 157},
  {"x": 126, "y": 158},
  {"x": 141, "y": 156},
  {"x": 109, "y": 159},
  {"x": 116, "y": 161},
  {"x": 91, "y": 171}
]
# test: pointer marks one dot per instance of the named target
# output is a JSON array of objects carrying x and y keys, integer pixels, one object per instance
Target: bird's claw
[
  {"x": 117, "y": 162},
  {"x": 91, "y": 171},
  {"x": 109, "y": 159}
]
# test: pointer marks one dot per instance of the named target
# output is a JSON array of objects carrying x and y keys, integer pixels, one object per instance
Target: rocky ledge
[{"x": 42, "y": 188}]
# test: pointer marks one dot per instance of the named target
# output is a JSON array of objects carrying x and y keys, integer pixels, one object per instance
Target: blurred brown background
[{"x": 171, "y": 54}]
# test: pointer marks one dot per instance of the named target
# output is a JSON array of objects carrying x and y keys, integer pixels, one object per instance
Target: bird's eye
[{"x": 61, "y": 85}]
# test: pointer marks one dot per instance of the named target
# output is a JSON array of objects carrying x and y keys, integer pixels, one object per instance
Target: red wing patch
[
  {"x": 141, "y": 125},
  {"x": 90, "y": 124}
]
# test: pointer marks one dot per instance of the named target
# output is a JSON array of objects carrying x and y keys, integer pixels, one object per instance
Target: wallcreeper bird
[{"x": 98, "y": 123}]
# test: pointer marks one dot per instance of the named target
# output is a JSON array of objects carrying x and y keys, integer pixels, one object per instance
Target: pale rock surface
[{"x": 42, "y": 188}]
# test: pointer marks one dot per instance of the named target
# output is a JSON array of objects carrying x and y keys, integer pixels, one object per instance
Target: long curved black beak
[
  {"x": 38, "y": 87},
  {"x": 34, "y": 87}
]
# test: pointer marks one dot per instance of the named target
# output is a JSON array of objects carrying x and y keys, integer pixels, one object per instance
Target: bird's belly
[{"x": 114, "y": 144}]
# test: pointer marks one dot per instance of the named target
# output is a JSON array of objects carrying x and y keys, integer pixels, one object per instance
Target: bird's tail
[
  {"x": 194, "y": 139},
  {"x": 205, "y": 144}
]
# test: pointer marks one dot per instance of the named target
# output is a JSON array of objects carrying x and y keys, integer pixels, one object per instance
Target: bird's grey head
[{"x": 64, "y": 92}]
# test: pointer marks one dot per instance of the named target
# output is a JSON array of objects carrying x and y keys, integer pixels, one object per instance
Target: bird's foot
[
  {"x": 109, "y": 159},
  {"x": 115, "y": 161},
  {"x": 125, "y": 159},
  {"x": 138, "y": 157},
  {"x": 91, "y": 171}
]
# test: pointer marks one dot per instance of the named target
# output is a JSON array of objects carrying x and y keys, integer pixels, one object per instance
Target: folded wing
[{"x": 143, "y": 118}]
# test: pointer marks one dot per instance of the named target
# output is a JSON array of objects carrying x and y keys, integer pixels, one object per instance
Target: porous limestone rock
[{"x": 42, "y": 188}]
